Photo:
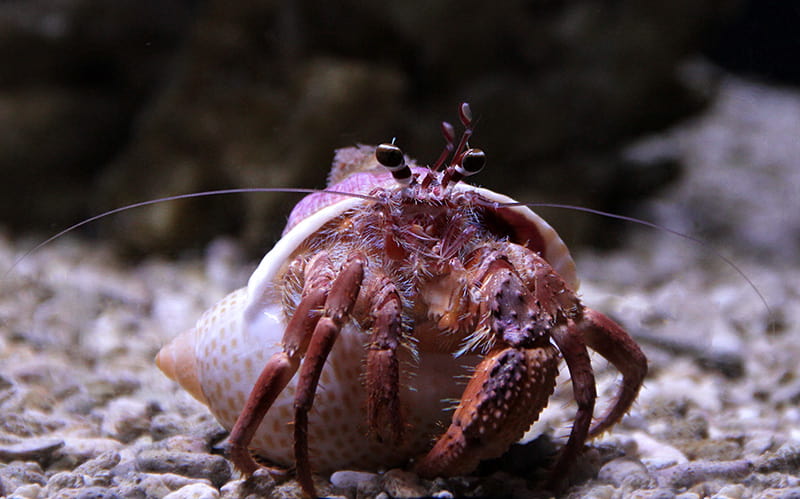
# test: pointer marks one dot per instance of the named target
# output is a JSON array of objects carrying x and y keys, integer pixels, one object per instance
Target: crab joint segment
[{"x": 383, "y": 371}]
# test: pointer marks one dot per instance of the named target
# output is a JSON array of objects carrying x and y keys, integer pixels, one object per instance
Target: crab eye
[
  {"x": 472, "y": 162},
  {"x": 391, "y": 157}
]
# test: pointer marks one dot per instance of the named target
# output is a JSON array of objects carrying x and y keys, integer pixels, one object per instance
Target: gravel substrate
[{"x": 85, "y": 413}]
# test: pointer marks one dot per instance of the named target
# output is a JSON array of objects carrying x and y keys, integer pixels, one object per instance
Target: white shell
[{"x": 220, "y": 359}]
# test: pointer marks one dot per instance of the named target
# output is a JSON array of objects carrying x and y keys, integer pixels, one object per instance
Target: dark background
[{"x": 104, "y": 103}]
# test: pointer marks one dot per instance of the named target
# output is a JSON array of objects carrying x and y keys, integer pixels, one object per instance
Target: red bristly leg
[
  {"x": 607, "y": 338},
  {"x": 340, "y": 302},
  {"x": 280, "y": 368},
  {"x": 383, "y": 371},
  {"x": 604, "y": 336},
  {"x": 573, "y": 348},
  {"x": 564, "y": 308},
  {"x": 586, "y": 328}
]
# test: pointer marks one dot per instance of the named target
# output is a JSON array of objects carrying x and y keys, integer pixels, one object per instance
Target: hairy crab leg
[
  {"x": 607, "y": 338},
  {"x": 280, "y": 368},
  {"x": 588, "y": 328},
  {"x": 338, "y": 305},
  {"x": 383, "y": 371},
  {"x": 503, "y": 398},
  {"x": 571, "y": 343}
]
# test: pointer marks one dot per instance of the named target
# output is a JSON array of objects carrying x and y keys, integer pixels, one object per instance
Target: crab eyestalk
[
  {"x": 391, "y": 157},
  {"x": 470, "y": 163}
]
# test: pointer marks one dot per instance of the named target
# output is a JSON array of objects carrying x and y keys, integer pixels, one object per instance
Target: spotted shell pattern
[{"x": 219, "y": 360}]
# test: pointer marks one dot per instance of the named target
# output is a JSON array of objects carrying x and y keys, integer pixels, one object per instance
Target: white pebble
[
  {"x": 350, "y": 479},
  {"x": 730, "y": 492},
  {"x": 28, "y": 491},
  {"x": 655, "y": 454},
  {"x": 194, "y": 491}
]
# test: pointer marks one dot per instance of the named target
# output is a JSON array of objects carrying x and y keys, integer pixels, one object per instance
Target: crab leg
[
  {"x": 338, "y": 305},
  {"x": 604, "y": 336},
  {"x": 567, "y": 314},
  {"x": 503, "y": 398},
  {"x": 612, "y": 342},
  {"x": 571, "y": 343},
  {"x": 383, "y": 371},
  {"x": 280, "y": 368}
]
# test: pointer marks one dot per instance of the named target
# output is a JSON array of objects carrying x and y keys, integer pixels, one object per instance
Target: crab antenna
[
  {"x": 391, "y": 157},
  {"x": 450, "y": 137}
]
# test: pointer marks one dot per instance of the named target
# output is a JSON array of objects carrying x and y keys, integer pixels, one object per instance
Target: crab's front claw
[{"x": 509, "y": 389}]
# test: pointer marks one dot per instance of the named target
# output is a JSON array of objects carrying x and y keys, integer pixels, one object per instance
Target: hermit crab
[{"x": 404, "y": 317}]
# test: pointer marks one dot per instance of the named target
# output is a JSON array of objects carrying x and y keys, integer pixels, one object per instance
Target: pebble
[
  {"x": 211, "y": 467},
  {"x": 595, "y": 492},
  {"x": 111, "y": 385},
  {"x": 351, "y": 479},
  {"x": 30, "y": 423},
  {"x": 65, "y": 480},
  {"x": 6, "y": 386},
  {"x": 400, "y": 483},
  {"x": 17, "y": 474},
  {"x": 259, "y": 484},
  {"x": 657, "y": 454},
  {"x": 95, "y": 492},
  {"x": 651, "y": 494},
  {"x": 135, "y": 485},
  {"x": 787, "y": 493},
  {"x": 183, "y": 443},
  {"x": 126, "y": 418},
  {"x": 773, "y": 480},
  {"x": 175, "y": 482},
  {"x": 103, "y": 462},
  {"x": 786, "y": 459},
  {"x": 292, "y": 490},
  {"x": 166, "y": 425},
  {"x": 759, "y": 444},
  {"x": 208, "y": 430},
  {"x": 626, "y": 472},
  {"x": 730, "y": 492},
  {"x": 40, "y": 450},
  {"x": 29, "y": 491},
  {"x": 688, "y": 474},
  {"x": 194, "y": 491},
  {"x": 78, "y": 450}
]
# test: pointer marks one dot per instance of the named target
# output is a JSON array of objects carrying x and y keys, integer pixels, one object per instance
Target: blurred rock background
[{"x": 104, "y": 103}]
